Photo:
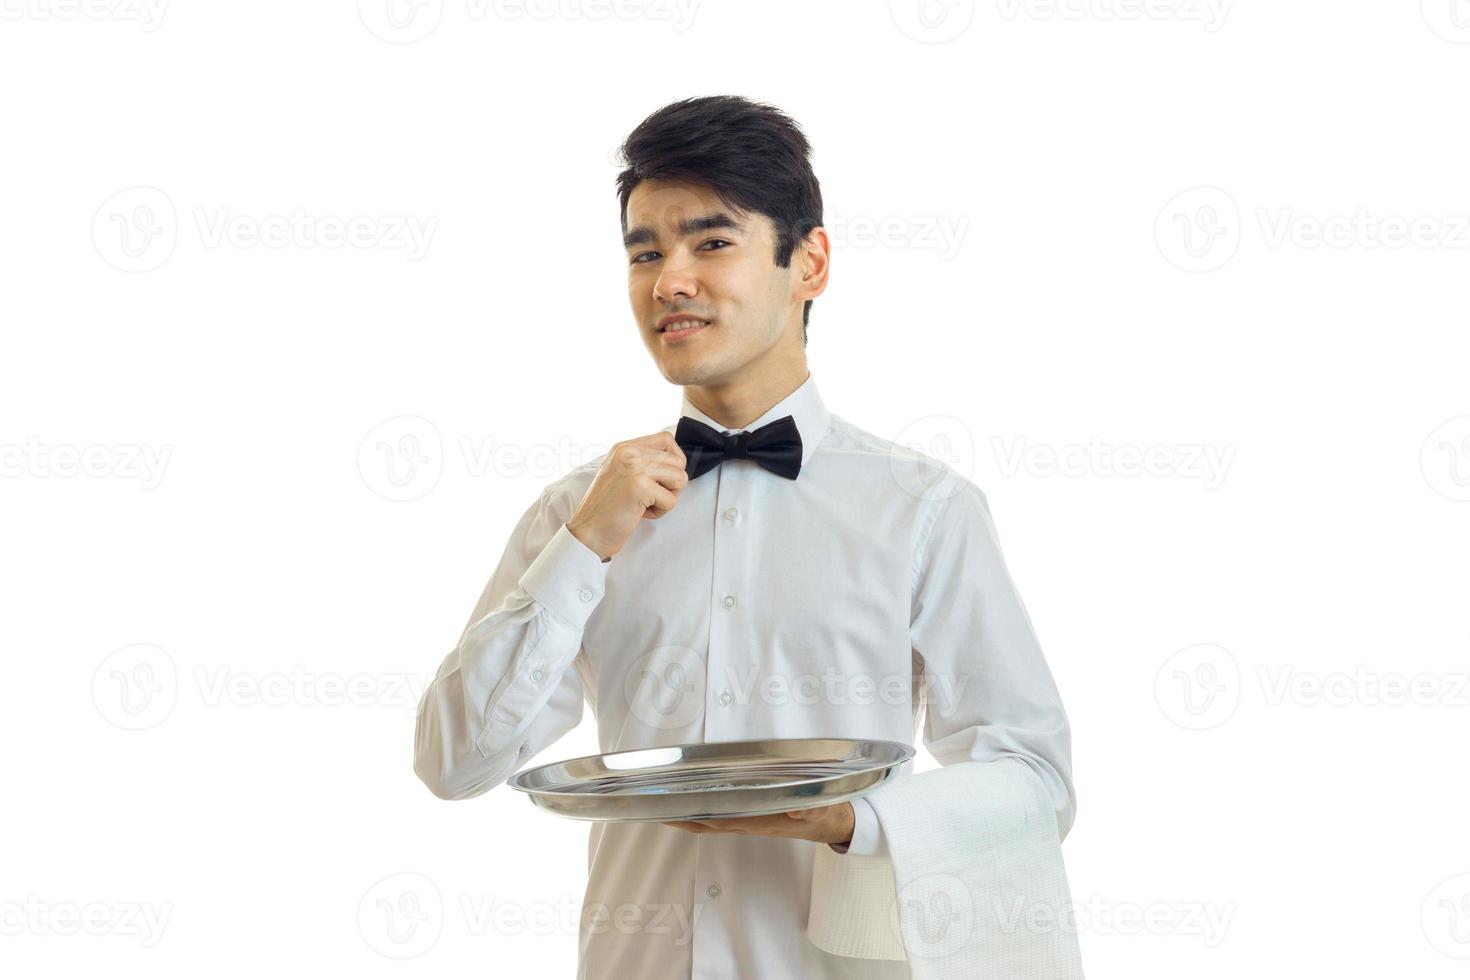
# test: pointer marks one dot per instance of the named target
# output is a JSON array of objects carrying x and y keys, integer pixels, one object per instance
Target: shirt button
[
  {"x": 537, "y": 674},
  {"x": 713, "y": 891},
  {"x": 725, "y": 697},
  {"x": 730, "y": 514},
  {"x": 585, "y": 595},
  {"x": 729, "y": 601}
]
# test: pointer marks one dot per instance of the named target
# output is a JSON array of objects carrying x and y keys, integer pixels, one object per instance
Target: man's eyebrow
[{"x": 643, "y": 234}]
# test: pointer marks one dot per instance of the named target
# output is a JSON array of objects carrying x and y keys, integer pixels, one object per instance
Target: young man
[{"x": 761, "y": 568}]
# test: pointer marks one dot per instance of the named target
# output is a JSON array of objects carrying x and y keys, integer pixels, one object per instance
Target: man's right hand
[{"x": 640, "y": 478}]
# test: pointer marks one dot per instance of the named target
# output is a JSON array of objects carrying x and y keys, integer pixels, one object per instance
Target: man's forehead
[
  {"x": 667, "y": 206},
  {"x": 658, "y": 192},
  {"x": 678, "y": 211}
]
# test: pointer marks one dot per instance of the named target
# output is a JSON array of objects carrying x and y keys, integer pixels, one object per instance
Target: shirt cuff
[
  {"x": 867, "y": 834},
  {"x": 568, "y": 578}
]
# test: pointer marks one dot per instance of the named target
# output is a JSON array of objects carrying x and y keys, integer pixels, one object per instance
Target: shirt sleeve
[
  {"x": 505, "y": 691},
  {"x": 986, "y": 686}
]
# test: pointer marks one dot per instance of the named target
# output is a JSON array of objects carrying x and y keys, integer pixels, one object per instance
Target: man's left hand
[{"x": 824, "y": 824}]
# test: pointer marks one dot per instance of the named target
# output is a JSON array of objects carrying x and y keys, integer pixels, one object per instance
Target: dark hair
[{"x": 752, "y": 155}]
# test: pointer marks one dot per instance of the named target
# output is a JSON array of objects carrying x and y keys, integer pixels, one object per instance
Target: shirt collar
[{"x": 804, "y": 405}]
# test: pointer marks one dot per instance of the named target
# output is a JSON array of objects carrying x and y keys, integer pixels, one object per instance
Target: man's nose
[{"x": 674, "y": 282}]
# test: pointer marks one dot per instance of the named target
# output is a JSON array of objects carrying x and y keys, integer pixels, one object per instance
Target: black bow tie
[{"x": 776, "y": 446}]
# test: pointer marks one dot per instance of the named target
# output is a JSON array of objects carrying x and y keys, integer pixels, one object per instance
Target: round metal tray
[{"x": 712, "y": 779}]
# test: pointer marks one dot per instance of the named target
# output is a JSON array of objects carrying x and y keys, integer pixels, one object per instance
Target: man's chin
[{"x": 693, "y": 371}]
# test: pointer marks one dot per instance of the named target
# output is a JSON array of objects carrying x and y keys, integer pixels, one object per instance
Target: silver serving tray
[{"x": 712, "y": 779}]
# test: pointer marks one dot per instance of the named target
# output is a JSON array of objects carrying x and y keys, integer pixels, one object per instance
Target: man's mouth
[{"x": 683, "y": 328}]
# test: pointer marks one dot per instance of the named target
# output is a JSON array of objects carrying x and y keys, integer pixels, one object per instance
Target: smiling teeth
[{"x": 686, "y": 325}]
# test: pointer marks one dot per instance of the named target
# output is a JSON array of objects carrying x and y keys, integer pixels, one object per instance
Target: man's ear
[{"x": 815, "y": 252}]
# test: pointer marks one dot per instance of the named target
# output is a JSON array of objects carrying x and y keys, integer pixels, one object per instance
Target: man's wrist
[
  {"x": 581, "y": 536},
  {"x": 847, "y": 824}
]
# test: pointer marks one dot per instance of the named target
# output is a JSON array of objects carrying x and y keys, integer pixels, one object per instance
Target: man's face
[{"x": 688, "y": 253}]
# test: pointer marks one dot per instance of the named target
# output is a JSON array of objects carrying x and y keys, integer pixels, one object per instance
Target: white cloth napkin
[{"x": 973, "y": 885}]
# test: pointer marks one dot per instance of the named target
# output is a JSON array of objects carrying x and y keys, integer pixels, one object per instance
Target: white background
[{"x": 1186, "y": 231}]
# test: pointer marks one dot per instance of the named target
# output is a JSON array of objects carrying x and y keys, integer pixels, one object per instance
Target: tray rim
[
  {"x": 738, "y": 814},
  {"x": 906, "y": 752}
]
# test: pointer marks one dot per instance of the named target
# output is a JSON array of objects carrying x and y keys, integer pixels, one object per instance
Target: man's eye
[{"x": 639, "y": 258}]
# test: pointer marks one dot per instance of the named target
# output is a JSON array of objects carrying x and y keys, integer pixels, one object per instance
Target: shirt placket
[{"x": 723, "y": 714}]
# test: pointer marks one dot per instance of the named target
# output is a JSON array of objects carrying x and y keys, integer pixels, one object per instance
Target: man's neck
[{"x": 735, "y": 406}]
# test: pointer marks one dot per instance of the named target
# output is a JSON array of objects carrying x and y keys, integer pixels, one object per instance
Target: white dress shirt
[{"x": 834, "y": 605}]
